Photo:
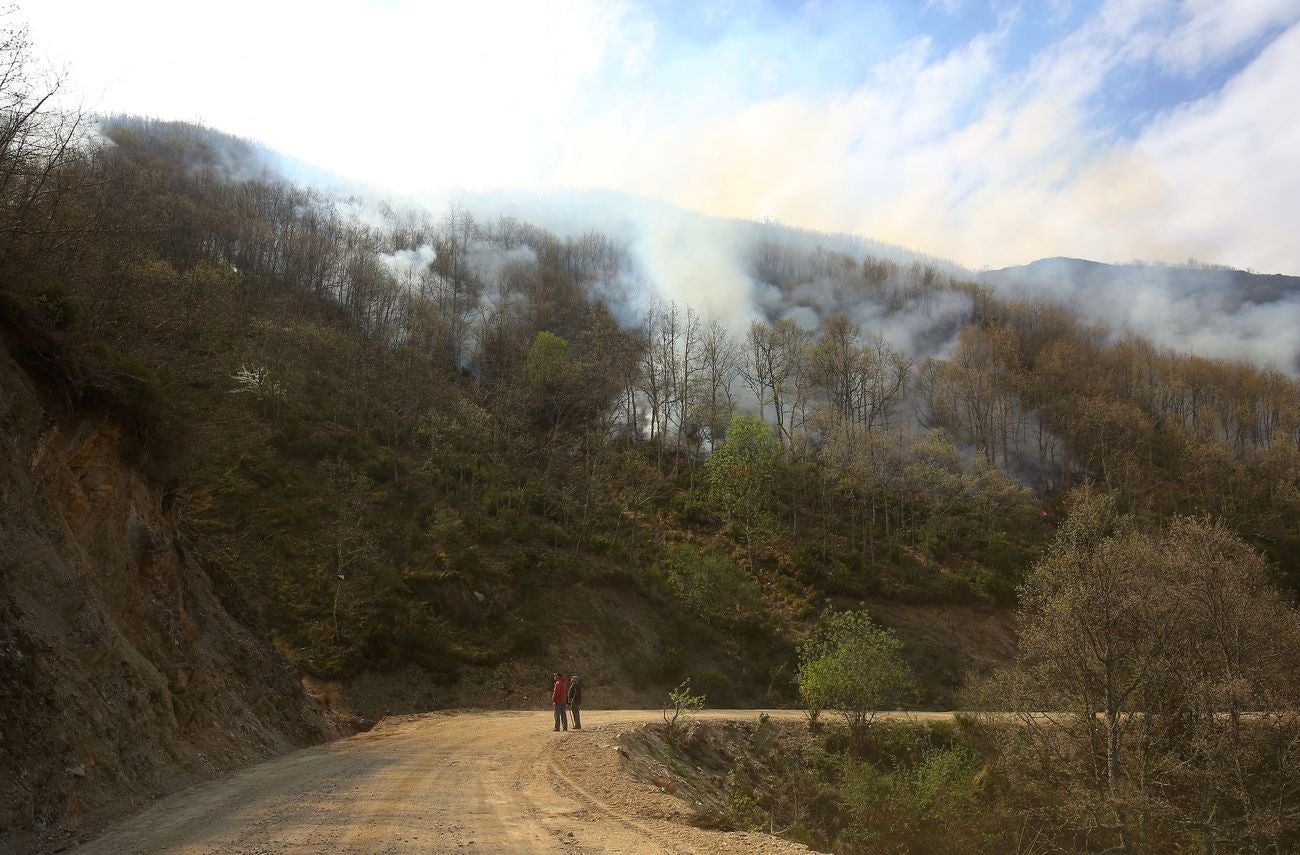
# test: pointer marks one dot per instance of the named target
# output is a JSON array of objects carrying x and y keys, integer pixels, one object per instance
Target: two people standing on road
[{"x": 563, "y": 696}]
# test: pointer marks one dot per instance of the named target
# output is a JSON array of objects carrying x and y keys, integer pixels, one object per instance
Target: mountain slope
[
  {"x": 1241, "y": 286},
  {"x": 1196, "y": 309},
  {"x": 122, "y": 676}
]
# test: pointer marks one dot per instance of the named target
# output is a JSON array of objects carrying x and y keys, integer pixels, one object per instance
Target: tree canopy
[
  {"x": 853, "y": 667},
  {"x": 1157, "y": 670}
]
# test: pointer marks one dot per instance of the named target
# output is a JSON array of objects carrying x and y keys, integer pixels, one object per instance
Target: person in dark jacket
[
  {"x": 559, "y": 697},
  {"x": 575, "y": 701}
]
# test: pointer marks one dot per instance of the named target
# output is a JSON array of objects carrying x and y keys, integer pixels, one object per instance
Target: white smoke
[
  {"x": 698, "y": 264},
  {"x": 490, "y": 261},
  {"x": 407, "y": 264},
  {"x": 1214, "y": 312},
  {"x": 707, "y": 263}
]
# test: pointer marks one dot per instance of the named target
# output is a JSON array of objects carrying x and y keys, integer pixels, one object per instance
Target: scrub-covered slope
[{"x": 122, "y": 676}]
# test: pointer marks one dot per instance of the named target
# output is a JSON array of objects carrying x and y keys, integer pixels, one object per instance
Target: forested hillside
[
  {"x": 424, "y": 439},
  {"x": 997, "y": 560},
  {"x": 447, "y": 415}
]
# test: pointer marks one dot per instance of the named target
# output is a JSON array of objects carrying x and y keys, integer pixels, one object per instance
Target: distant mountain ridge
[
  {"x": 1211, "y": 311},
  {"x": 707, "y": 262},
  {"x": 1246, "y": 286}
]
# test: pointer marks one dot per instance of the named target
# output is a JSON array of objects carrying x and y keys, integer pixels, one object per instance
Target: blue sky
[
  {"x": 989, "y": 133},
  {"x": 823, "y": 48}
]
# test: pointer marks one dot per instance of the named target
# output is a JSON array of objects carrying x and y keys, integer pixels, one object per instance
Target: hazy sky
[{"x": 990, "y": 134}]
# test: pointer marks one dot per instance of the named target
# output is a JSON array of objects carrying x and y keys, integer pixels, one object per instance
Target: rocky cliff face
[{"x": 122, "y": 676}]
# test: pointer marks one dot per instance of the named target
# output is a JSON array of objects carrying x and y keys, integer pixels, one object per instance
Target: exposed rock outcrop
[{"x": 122, "y": 676}]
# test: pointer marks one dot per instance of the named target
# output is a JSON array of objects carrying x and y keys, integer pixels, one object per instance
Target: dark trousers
[
  {"x": 561, "y": 720},
  {"x": 577, "y": 719}
]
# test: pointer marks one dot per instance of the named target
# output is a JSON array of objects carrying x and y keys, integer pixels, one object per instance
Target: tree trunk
[{"x": 1114, "y": 747}]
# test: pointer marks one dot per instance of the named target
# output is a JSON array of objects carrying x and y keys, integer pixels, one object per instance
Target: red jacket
[{"x": 560, "y": 694}]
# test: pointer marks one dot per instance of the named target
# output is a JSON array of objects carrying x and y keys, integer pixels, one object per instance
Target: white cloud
[
  {"x": 1228, "y": 167},
  {"x": 1209, "y": 30},
  {"x": 432, "y": 93},
  {"x": 940, "y": 150},
  {"x": 940, "y": 153}
]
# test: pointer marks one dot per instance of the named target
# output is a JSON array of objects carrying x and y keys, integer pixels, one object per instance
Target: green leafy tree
[
  {"x": 550, "y": 372},
  {"x": 853, "y": 667},
  {"x": 741, "y": 474},
  {"x": 711, "y": 585},
  {"x": 550, "y": 375}
]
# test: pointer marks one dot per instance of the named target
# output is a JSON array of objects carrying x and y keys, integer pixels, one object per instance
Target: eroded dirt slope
[{"x": 122, "y": 677}]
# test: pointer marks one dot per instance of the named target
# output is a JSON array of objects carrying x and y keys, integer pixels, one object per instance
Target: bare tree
[
  {"x": 456, "y": 283},
  {"x": 38, "y": 142},
  {"x": 1155, "y": 687},
  {"x": 720, "y": 358}
]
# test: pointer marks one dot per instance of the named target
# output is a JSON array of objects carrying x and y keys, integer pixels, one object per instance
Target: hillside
[
  {"x": 320, "y": 426},
  {"x": 1236, "y": 287},
  {"x": 467, "y": 423},
  {"x": 123, "y": 676},
  {"x": 434, "y": 457},
  {"x": 1208, "y": 310}
]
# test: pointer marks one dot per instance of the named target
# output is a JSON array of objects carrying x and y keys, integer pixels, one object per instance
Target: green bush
[
  {"x": 604, "y": 544},
  {"x": 811, "y": 562},
  {"x": 669, "y": 666},
  {"x": 711, "y": 585},
  {"x": 688, "y": 509},
  {"x": 55, "y": 306},
  {"x": 854, "y": 668},
  {"x": 742, "y": 805},
  {"x": 680, "y": 705}
]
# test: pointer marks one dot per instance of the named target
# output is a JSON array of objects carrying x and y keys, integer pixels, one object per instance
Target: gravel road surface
[{"x": 471, "y": 782}]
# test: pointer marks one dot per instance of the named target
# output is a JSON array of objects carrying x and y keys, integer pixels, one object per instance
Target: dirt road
[
  {"x": 471, "y": 782},
  {"x": 467, "y": 783}
]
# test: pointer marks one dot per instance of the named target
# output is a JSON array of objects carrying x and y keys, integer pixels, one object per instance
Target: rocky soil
[{"x": 122, "y": 675}]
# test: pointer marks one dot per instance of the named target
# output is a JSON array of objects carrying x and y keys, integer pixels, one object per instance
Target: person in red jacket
[{"x": 559, "y": 699}]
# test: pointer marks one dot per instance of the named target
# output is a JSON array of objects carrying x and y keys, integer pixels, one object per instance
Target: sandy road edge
[
  {"x": 568, "y": 787},
  {"x": 610, "y": 790}
]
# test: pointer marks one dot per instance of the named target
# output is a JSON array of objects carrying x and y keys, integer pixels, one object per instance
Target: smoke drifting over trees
[
  {"x": 740, "y": 271},
  {"x": 408, "y": 434},
  {"x": 1205, "y": 310},
  {"x": 909, "y": 402},
  {"x": 731, "y": 315}
]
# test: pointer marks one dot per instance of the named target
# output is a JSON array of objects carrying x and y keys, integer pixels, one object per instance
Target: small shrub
[
  {"x": 55, "y": 306},
  {"x": 690, "y": 510},
  {"x": 680, "y": 705},
  {"x": 604, "y": 544},
  {"x": 670, "y": 665},
  {"x": 942, "y": 787},
  {"x": 744, "y": 808}
]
